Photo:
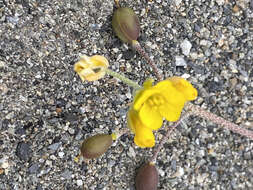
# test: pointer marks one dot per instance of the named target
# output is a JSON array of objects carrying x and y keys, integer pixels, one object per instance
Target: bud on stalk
[
  {"x": 126, "y": 24},
  {"x": 147, "y": 177}
]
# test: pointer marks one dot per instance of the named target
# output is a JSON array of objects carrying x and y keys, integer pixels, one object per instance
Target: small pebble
[
  {"x": 79, "y": 182},
  {"x": 61, "y": 154},
  {"x": 54, "y": 146},
  {"x": 180, "y": 62},
  {"x": 186, "y": 47},
  {"x": 23, "y": 151}
]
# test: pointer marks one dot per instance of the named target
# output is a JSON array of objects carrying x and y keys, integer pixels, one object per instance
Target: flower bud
[
  {"x": 126, "y": 24},
  {"x": 91, "y": 68},
  {"x": 95, "y": 146},
  {"x": 147, "y": 177}
]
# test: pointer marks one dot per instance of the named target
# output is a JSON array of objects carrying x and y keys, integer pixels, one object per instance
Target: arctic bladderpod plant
[{"x": 152, "y": 104}]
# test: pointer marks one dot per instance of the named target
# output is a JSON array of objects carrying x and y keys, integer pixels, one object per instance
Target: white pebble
[
  {"x": 185, "y": 76},
  {"x": 180, "y": 61},
  {"x": 2, "y": 64},
  {"x": 180, "y": 172},
  {"x": 79, "y": 182},
  {"x": 61, "y": 154},
  {"x": 177, "y": 2},
  {"x": 186, "y": 47},
  {"x": 220, "y": 2},
  {"x": 161, "y": 172},
  {"x": 115, "y": 50},
  {"x": 128, "y": 95},
  {"x": 131, "y": 152},
  {"x": 5, "y": 165}
]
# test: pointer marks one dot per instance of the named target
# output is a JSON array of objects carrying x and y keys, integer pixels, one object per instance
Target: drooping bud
[
  {"x": 147, "y": 177},
  {"x": 95, "y": 146},
  {"x": 126, "y": 24}
]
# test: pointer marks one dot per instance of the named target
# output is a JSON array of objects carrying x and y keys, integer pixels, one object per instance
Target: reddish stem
[
  {"x": 198, "y": 111},
  {"x": 164, "y": 139},
  {"x": 141, "y": 51}
]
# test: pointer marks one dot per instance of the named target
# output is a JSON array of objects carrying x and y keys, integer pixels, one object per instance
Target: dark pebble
[
  {"x": 191, "y": 14},
  {"x": 20, "y": 131},
  {"x": 129, "y": 54},
  {"x": 198, "y": 69},
  {"x": 70, "y": 117},
  {"x": 174, "y": 165},
  {"x": 210, "y": 128},
  {"x": 39, "y": 187},
  {"x": 247, "y": 155},
  {"x": 213, "y": 86},
  {"x": 196, "y": 28},
  {"x": 54, "y": 146},
  {"x": 33, "y": 168},
  {"x": 23, "y": 151},
  {"x": 60, "y": 102},
  {"x": 227, "y": 10},
  {"x": 251, "y": 5},
  {"x": 213, "y": 160},
  {"x": 251, "y": 74},
  {"x": 28, "y": 125},
  {"x": 227, "y": 20}
]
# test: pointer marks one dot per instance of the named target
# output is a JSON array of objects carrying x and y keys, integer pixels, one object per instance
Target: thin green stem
[{"x": 123, "y": 79}]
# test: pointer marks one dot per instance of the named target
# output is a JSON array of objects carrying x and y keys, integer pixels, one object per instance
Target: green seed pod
[
  {"x": 95, "y": 146},
  {"x": 125, "y": 24},
  {"x": 147, "y": 177}
]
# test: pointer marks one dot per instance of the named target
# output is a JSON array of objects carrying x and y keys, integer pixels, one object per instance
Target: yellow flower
[
  {"x": 91, "y": 68},
  {"x": 154, "y": 103},
  {"x": 144, "y": 136}
]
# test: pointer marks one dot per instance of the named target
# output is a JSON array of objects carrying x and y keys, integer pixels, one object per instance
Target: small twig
[
  {"x": 136, "y": 45},
  {"x": 198, "y": 111},
  {"x": 165, "y": 137}
]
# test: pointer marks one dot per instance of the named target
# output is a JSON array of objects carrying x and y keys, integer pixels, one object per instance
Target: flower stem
[
  {"x": 119, "y": 132},
  {"x": 165, "y": 137},
  {"x": 141, "y": 51},
  {"x": 123, "y": 79},
  {"x": 117, "y": 3},
  {"x": 198, "y": 111}
]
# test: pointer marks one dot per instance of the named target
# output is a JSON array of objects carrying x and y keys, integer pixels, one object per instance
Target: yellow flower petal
[
  {"x": 85, "y": 73},
  {"x": 171, "y": 94},
  {"x": 184, "y": 87},
  {"x": 99, "y": 61},
  {"x": 150, "y": 116},
  {"x": 170, "y": 112},
  {"x": 142, "y": 96},
  {"x": 91, "y": 68},
  {"x": 144, "y": 137},
  {"x": 95, "y": 76}
]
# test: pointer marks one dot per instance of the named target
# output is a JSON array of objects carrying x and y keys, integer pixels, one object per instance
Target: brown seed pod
[
  {"x": 147, "y": 177},
  {"x": 95, "y": 146},
  {"x": 125, "y": 24}
]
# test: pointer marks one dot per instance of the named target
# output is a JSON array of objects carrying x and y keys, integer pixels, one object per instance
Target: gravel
[{"x": 46, "y": 111}]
